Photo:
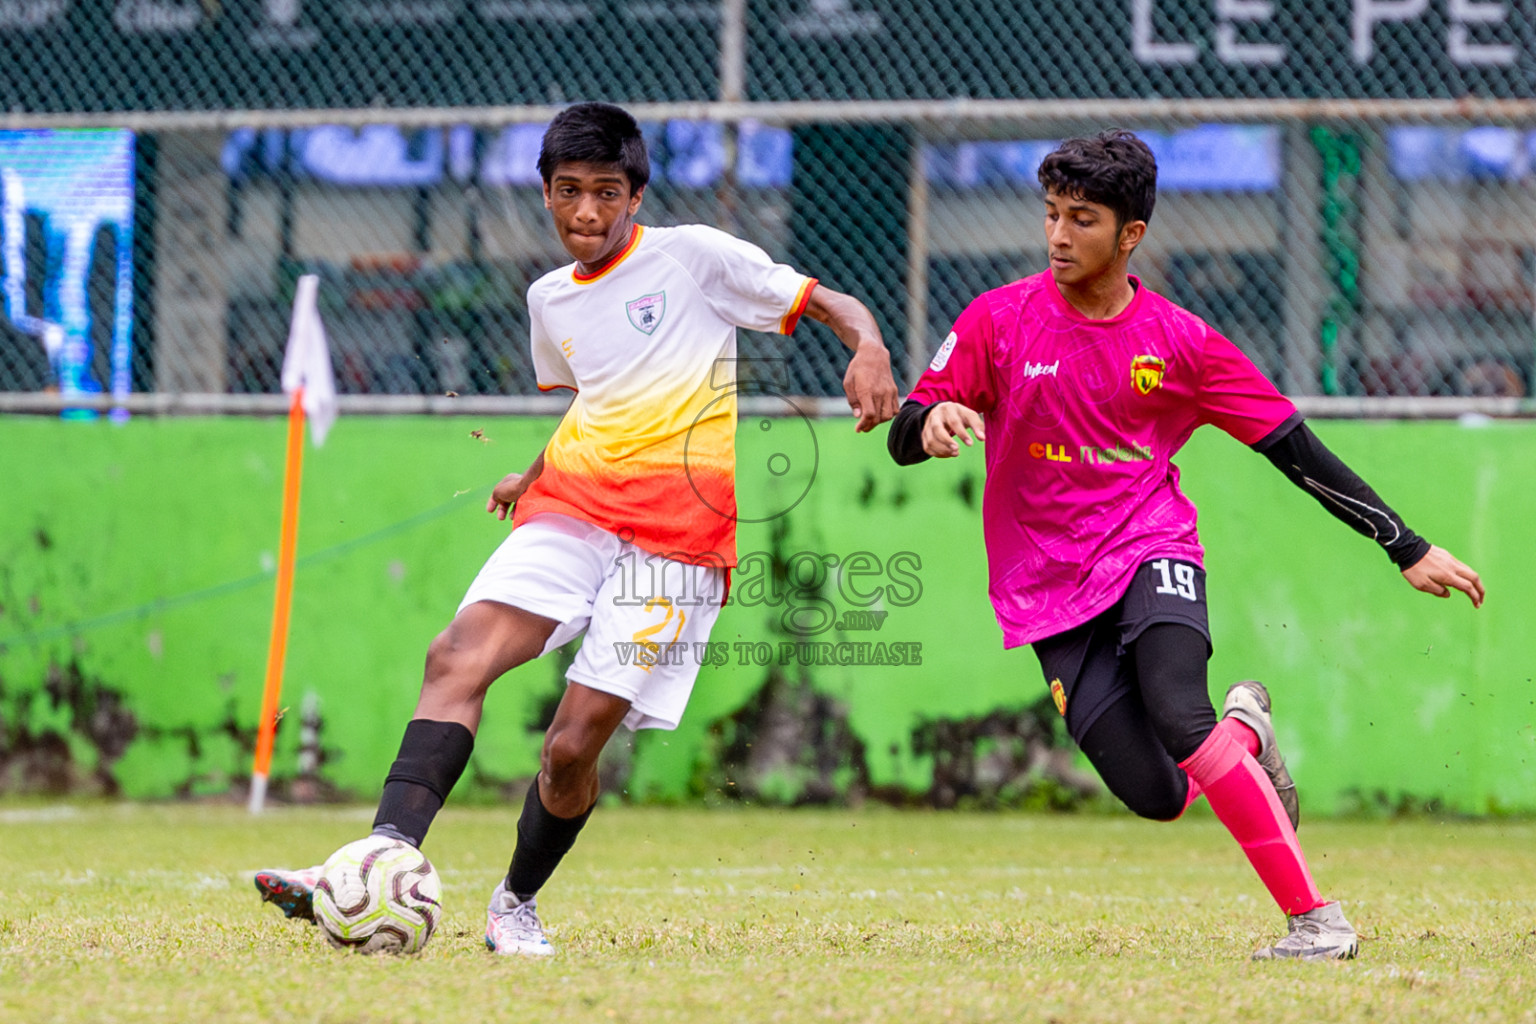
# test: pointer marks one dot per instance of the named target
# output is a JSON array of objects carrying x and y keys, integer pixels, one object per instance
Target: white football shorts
[{"x": 643, "y": 615}]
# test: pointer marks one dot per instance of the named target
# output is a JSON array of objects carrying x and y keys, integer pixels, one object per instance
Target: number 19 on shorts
[{"x": 1180, "y": 581}]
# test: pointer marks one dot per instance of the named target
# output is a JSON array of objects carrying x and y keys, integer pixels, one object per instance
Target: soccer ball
[{"x": 378, "y": 895}]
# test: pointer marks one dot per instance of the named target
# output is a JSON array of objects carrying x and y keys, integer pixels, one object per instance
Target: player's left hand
[
  {"x": 870, "y": 388},
  {"x": 1439, "y": 572}
]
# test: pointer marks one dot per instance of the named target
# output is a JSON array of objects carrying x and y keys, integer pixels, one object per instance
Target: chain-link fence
[{"x": 1347, "y": 186}]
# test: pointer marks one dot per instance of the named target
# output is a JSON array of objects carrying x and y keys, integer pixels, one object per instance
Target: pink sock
[
  {"x": 1194, "y": 793},
  {"x": 1250, "y": 742},
  {"x": 1244, "y": 799},
  {"x": 1246, "y": 737}
]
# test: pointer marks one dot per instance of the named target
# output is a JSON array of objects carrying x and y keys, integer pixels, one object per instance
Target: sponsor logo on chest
[
  {"x": 646, "y": 312},
  {"x": 1125, "y": 451},
  {"x": 1041, "y": 369}
]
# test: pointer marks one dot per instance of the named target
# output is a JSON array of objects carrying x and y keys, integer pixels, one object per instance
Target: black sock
[
  {"x": 432, "y": 757},
  {"x": 542, "y": 840}
]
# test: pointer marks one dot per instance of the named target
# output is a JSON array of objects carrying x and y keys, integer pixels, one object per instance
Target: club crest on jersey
[
  {"x": 1147, "y": 373},
  {"x": 1059, "y": 695},
  {"x": 646, "y": 312}
]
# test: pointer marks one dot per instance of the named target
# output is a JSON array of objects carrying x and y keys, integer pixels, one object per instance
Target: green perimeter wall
[{"x": 142, "y": 554}]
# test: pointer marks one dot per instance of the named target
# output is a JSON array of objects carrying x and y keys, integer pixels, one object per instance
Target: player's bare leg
[
  {"x": 483, "y": 642},
  {"x": 584, "y": 722},
  {"x": 557, "y": 807}
]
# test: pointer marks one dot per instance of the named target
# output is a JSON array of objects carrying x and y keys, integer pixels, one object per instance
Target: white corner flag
[{"x": 307, "y": 361}]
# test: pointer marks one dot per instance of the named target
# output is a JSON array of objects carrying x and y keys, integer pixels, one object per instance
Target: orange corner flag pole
[{"x": 277, "y": 647}]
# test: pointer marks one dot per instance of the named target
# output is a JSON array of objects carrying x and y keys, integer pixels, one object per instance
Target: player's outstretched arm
[
  {"x": 505, "y": 494},
  {"x": 1439, "y": 572},
  {"x": 870, "y": 388},
  {"x": 947, "y": 424},
  {"x": 1310, "y": 465}
]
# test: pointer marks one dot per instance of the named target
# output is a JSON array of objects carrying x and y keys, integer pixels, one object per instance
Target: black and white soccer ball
[{"x": 378, "y": 895}]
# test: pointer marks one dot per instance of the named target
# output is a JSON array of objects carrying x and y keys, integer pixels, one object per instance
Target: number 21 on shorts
[{"x": 1180, "y": 581}]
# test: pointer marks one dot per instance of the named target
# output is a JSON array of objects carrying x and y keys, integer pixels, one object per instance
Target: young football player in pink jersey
[
  {"x": 1082, "y": 384},
  {"x": 640, "y": 471}
]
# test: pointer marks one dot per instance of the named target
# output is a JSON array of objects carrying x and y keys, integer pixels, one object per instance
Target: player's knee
[
  {"x": 1160, "y": 798},
  {"x": 1167, "y": 810},
  {"x": 444, "y": 655},
  {"x": 568, "y": 753},
  {"x": 1158, "y": 807},
  {"x": 454, "y": 670}
]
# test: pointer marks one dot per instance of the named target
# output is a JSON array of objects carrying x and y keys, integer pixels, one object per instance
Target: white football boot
[
  {"x": 1321, "y": 934},
  {"x": 292, "y": 891},
  {"x": 513, "y": 928}
]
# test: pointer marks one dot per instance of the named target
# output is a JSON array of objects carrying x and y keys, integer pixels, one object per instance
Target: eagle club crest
[
  {"x": 1147, "y": 373},
  {"x": 646, "y": 312}
]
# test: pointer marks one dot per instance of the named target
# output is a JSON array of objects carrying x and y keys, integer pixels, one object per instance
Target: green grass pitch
[{"x": 146, "y": 913}]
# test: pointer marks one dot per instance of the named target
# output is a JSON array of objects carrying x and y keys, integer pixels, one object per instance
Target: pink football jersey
[{"x": 1083, "y": 418}]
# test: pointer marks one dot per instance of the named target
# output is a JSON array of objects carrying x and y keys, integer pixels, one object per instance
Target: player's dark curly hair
[
  {"x": 595, "y": 133},
  {"x": 1114, "y": 168}
]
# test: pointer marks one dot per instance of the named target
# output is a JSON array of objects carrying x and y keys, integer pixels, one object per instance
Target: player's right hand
[
  {"x": 946, "y": 422},
  {"x": 505, "y": 494},
  {"x": 871, "y": 389}
]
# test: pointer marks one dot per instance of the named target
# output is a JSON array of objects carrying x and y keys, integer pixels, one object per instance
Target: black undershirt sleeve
[
  {"x": 905, "y": 441},
  {"x": 1294, "y": 450},
  {"x": 1307, "y": 463}
]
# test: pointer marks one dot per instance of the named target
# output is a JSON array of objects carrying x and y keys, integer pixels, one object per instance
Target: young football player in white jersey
[
  {"x": 642, "y": 327},
  {"x": 1083, "y": 384}
]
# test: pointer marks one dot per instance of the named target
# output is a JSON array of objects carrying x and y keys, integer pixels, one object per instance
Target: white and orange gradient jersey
[{"x": 648, "y": 343}]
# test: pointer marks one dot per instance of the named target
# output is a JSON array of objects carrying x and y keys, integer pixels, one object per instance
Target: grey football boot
[
  {"x": 1321, "y": 934},
  {"x": 1248, "y": 702}
]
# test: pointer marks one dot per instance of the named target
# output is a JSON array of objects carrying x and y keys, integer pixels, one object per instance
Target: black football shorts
[{"x": 1086, "y": 666}]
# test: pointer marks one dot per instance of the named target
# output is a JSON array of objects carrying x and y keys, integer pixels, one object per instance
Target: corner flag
[
  {"x": 307, "y": 362},
  {"x": 308, "y": 378}
]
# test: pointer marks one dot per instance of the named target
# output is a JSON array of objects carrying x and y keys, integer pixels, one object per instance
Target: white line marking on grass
[{"x": 32, "y": 815}]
